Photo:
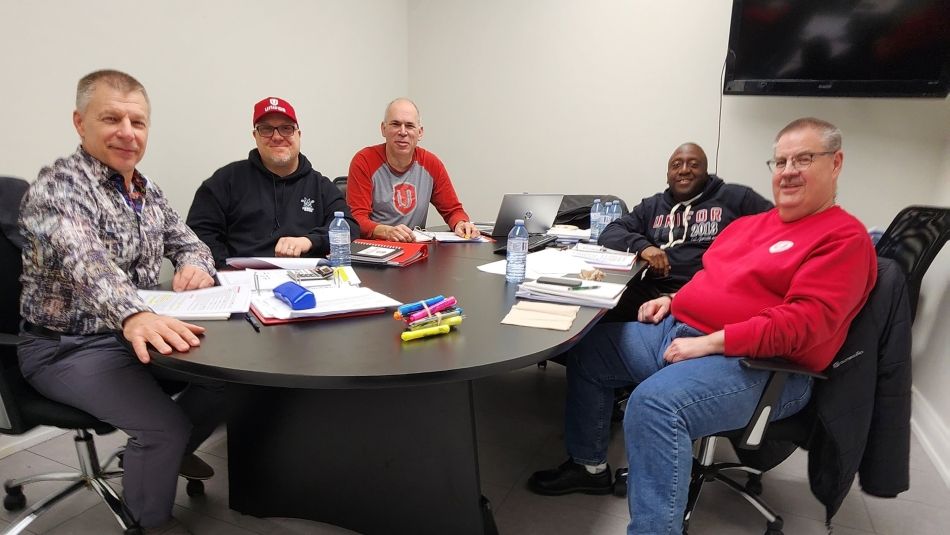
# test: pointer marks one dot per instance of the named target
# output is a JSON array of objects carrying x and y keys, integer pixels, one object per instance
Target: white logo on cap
[
  {"x": 273, "y": 102},
  {"x": 781, "y": 246}
]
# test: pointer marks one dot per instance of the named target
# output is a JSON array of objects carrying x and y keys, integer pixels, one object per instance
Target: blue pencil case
[{"x": 295, "y": 296}]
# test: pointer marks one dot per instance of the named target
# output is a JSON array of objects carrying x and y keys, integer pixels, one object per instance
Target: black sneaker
[
  {"x": 192, "y": 467},
  {"x": 568, "y": 478}
]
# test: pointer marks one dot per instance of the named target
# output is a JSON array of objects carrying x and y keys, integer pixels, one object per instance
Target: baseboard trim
[
  {"x": 10, "y": 444},
  {"x": 932, "y": 434}
]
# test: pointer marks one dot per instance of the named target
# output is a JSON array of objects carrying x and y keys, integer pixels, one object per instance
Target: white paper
[
  {"x": 541, "y": 315},
  {"x": 591, "y": 293},
  {"x": 330, "y": 301},
  {"x": 445, "y": 237},
  {"x": 268, "y": 279},
  {"x": 273, "y": 262},
  {"x": 218, "y": 302},
  {"x": 546, "y": 262}
]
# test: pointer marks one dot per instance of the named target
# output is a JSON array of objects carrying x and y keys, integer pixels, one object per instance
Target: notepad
[{"x": 373, "y": 252}]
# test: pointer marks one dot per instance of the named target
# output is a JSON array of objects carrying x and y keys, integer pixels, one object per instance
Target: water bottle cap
[
  {"x": 597, "y": 199},
  {"x": 519, "y": 221},
  {"x": 337, "y": 214}
]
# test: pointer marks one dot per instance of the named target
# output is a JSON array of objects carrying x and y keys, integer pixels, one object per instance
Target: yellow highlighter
[{"x": 422, "y": 333}]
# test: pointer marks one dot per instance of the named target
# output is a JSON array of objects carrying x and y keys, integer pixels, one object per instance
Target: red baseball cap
[{"x": 274, "y": 105}]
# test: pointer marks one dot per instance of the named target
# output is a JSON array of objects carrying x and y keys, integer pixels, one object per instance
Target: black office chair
[
  {"x": 22, "y": 408},
  {"x": 906, "y": 250},
  {"x": 340, "y": 182},
  {"x": 575, "y": 209}
]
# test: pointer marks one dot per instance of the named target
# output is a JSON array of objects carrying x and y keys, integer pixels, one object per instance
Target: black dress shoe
[
  {"x": 193, "y": 467},
  {"x": 568, "y": 478}
]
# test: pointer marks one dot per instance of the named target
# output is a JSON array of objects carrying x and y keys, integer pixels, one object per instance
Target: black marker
[{"x": 253, "y": 321}]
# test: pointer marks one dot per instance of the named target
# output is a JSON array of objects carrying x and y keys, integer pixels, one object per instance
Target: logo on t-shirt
[
  {"x": 781, "y": 246},
  {"x": 404, "y": 198},
  {"x": 307, "y": 203}
]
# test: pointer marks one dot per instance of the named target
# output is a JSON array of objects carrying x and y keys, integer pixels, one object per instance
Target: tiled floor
[{"x": 519, "y": 427}]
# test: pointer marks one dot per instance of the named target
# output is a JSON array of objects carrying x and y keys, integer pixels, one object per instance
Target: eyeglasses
[
  {"x": 266, "y": 130},
  {"x": 801, "y": 161}
]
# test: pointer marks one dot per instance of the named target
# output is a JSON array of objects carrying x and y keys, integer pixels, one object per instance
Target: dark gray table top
[{"x": 366, "y": 352}]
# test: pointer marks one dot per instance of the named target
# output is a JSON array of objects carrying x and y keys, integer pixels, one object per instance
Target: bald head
[{"x": 686, "y": 172}]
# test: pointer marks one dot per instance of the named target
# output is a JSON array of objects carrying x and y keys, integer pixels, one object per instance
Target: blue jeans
[{"x": 672, "y": 405}]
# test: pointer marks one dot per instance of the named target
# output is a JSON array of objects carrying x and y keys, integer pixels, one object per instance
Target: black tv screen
[{"x": 848, "y": 48}]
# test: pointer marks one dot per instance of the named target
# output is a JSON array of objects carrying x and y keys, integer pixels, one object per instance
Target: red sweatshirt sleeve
[
  {"x": 825, "y": 294},
  {"x": 359, "y": 191},
  {"x": 444, "y": 198}
]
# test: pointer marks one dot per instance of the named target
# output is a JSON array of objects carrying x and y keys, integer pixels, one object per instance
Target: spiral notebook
[
  {"x": 404, "y": 253},
  {"x": 374, "y": 252}
]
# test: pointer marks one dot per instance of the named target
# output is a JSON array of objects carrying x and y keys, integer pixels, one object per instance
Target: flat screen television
[{"x": 843, "y": 48}]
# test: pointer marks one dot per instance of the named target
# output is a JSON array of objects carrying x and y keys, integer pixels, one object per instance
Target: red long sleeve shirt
[
  {"x": 782, "y": 289},
  {"x": 377, "y": 194}
]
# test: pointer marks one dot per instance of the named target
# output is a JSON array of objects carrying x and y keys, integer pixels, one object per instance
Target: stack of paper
[
  {"x": 541, "y": 315},
  {"x": 568, "y": 233},
  {"x": 445, "y": 237},
  {"x": 216, "y": 303},
  {"x": 330, "y": 302},
  {"x": 589, "y": 293},
  {"x": 604, "y": 258},
  {"x": 260, "y": 281},
  {"x": 550, "y": 262}
]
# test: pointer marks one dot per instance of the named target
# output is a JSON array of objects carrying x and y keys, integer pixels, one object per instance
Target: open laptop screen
[{"x": 537, "y": 209}]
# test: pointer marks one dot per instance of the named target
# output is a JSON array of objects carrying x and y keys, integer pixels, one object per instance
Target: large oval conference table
[{"x": 340, "y": 421}]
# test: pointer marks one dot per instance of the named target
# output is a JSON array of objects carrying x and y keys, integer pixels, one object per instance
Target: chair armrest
[
  {"x": 772, "y": 365},
  {"x": 780, "y": 370},
  {"x": 10, "y": 339}
]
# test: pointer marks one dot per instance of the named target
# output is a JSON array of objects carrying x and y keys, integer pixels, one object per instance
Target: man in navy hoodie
[
  {"x": 671, "y": 230},
  {"x": 274, "y": 203}
]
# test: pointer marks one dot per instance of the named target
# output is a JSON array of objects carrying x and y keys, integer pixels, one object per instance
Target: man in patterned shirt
[
  {"x": 95, "y": 231},
  {"x": 391, "y": 185}
]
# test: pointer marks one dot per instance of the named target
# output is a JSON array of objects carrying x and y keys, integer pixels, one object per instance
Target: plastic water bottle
[
  {"x": 339, "y": 241},
  {"x": 613, "y": 212},
  {"x": 517, "y": 252},
  {"x": 596, "y": 218}
]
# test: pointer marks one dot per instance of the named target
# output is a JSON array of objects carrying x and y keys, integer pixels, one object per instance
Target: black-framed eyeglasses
[
  {"x": 266, "y": 130},
  {"x": 800, "y": 161}
]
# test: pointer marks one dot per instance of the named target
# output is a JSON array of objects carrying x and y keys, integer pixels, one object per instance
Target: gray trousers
[{"x": 101, "y": 375}]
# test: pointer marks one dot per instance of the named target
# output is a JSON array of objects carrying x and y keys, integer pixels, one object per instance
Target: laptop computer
[{"x": 537, "y": 209}]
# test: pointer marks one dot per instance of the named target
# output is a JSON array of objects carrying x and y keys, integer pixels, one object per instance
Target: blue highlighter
[{"x": 295, "y": 296}]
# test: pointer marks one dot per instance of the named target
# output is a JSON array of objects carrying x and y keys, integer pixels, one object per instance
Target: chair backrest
[
  {"x": 913, "y": 240},
  {"x": 11, "y": 265},
  {"x": 575, "y": 209},
  {"x": 340, "y": 182}
]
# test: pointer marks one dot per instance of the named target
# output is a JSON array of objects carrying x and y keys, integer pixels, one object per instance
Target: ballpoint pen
[
  {"x": 253, "y": 321},
  {"x": 579, "y": 288}
]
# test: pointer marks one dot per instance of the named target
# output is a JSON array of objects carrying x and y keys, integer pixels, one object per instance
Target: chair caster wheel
[
  {"x": 620, "y": 483},
  {"x": 195, "y": 487},
  {"x": 754, "y": 485},
  {"x": 774, "y": 528},
  {"x": 14, "y": 500}
]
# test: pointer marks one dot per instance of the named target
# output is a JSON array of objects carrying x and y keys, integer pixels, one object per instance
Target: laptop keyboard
[{"x": 535, "y": 242}]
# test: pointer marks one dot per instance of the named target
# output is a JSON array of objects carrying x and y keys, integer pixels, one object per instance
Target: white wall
[
  {"x": 592, "y": 97},
  {"x": 204, "y": 65}
]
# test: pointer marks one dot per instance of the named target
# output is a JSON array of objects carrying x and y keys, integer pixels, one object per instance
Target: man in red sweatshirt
[
  {"x": 390, "y": 186},
  {"x": 784, "y": 283}
]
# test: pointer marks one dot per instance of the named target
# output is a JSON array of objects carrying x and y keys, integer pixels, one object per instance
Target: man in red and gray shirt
[{"x": 390, "y": 186}]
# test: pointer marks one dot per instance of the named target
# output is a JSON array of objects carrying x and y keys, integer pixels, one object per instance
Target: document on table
[
  {"x": 216, "y": 303},
  {"x": 602, "y": 257},
  {"x": 541, "y": 315},
  {"x": 267, "y": 262},
  {"x": 446, "y": 237},
  {"x": 546, "y": 262},
  {"x": 591, "y": 293},
  {"x": 268, "y": 279},
  {"x": 330, "y": 301}
]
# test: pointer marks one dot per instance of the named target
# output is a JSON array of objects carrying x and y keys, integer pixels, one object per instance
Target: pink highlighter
[{"x": 448, "y": 302}]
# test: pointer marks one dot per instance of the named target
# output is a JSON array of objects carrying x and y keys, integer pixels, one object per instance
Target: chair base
[
  {"x": 91, "y": 475},
  {"x": 705, "y": 471}
]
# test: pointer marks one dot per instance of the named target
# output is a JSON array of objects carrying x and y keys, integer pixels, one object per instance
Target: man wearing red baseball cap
[{"x": 274, "y": 203}]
